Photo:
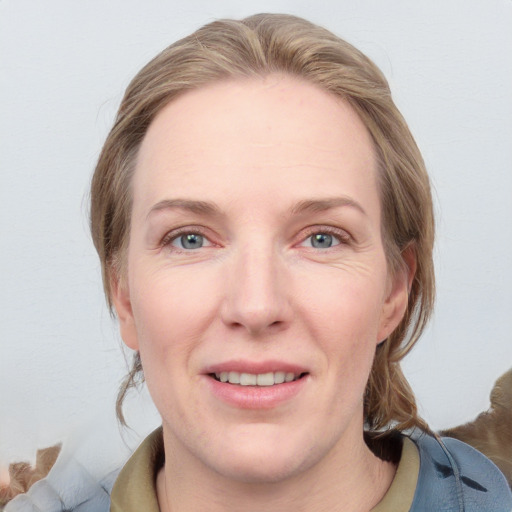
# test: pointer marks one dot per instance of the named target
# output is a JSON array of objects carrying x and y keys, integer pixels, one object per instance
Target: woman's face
[{"x": 256, "y": 256}]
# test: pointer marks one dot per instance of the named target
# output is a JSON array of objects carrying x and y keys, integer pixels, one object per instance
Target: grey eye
[
  {"x": 190, "y": 241},
  {"x": 321, "y": 241}
]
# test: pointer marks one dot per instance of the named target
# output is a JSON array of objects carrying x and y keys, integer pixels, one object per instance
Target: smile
[{"x": 260, "y": 379}]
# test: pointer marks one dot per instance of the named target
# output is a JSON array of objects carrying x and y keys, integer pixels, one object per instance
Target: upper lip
[{"x": 255, "y": 367}]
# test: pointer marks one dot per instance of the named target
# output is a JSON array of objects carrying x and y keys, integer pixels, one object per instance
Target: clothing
[
  {"x": 87, "y": 467},
  {"x": 72, "y": 490},
  {"x": 135, "y": 487},
  {"x": 400, "y": 494},
  {"x": 433, "y": 475},
  {"x": 455, "y": 477}
]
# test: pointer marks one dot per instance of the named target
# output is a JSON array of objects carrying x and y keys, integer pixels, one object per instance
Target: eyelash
[{"x": 341, "y": 235}]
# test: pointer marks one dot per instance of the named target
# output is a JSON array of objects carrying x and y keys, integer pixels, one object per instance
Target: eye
[
  {"x": 190, "y": 241},
  {"x": 324, "y": 240}
]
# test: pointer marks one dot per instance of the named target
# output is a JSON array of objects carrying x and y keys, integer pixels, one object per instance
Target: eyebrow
[
  {"x": 197, "y": 207},
  {"x": 212, "y": 209},
  {"x": 321, "y": 205}
]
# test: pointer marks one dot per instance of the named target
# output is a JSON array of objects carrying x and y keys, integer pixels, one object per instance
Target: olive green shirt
[{"x": 135, "y": 487}]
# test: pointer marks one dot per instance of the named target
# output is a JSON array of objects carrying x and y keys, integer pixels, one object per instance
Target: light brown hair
[{"x": 255, "y": 47}]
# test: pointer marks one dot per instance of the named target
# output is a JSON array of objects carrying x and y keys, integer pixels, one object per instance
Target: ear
[
  {"x": 397, "y": 298},
  {"x": 122, "y": 304}
]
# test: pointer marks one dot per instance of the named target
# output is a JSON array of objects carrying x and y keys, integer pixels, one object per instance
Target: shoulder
[{"x": 455, "y": 477}]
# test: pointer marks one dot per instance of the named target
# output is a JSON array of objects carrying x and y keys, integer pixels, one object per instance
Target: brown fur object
[
  {"x": 22, "y": 475},
  {"x": 491, "y": 432}
]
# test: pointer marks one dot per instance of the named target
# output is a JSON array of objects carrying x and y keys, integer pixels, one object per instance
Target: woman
[{"x": 264, "y": 222}]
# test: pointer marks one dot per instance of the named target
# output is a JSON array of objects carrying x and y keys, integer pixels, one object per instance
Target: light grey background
[{"x": 63, "y": 68}]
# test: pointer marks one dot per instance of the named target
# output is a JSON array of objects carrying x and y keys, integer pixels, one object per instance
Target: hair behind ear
[
  {"x": 389, "y": 401},
  {"x": 133, "y": 380}
]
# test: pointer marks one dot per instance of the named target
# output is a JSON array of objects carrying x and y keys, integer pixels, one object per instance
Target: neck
[{"x": 349, "y": 478}]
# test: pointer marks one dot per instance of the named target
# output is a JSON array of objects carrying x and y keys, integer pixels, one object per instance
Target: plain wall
[{"x": 63, "y": 68}]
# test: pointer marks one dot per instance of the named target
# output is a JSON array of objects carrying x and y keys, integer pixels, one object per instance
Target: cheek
[
  {"x": 171, "y": 304},
  {"x": 343, "y": 308},
  {"x": 343, "y": 317},
  {"x": 169, "y": 320}
]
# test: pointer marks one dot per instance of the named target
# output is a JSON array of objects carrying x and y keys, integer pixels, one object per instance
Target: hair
[{"x": 255, "y": 47}]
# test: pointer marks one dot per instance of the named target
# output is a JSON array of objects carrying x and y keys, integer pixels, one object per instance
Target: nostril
[{"x": 277, "y": 326}]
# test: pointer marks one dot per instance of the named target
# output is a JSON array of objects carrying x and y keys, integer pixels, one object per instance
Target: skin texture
[{"x": 281, "y": 161}]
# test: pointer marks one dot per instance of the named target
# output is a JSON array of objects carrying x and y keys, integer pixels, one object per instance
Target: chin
[
  {"x": 264, "y": 459},
  {"x": 273, "y": 469}
]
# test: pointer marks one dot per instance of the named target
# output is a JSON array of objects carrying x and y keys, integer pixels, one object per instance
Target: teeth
[
  {"x": 279, "y": 377},
  {"x": 234, "y": 378},
  {"x": 248, "y": 379},
  {"x": 265, "y": 379},
  {"x": 261, "y": 379}
]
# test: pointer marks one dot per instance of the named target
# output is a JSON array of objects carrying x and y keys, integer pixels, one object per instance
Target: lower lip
[{"x": 256, "y": 397}]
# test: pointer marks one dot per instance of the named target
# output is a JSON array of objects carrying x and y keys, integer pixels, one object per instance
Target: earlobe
[
  {"x": 397, "y": 299},
  {"x": 122, "y": 304}
]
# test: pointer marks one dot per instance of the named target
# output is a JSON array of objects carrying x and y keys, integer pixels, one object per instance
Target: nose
[{"x": 256, "y": 298}]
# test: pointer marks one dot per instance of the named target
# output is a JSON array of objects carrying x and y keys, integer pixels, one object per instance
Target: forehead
[{"x": 243, "y": 136}]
